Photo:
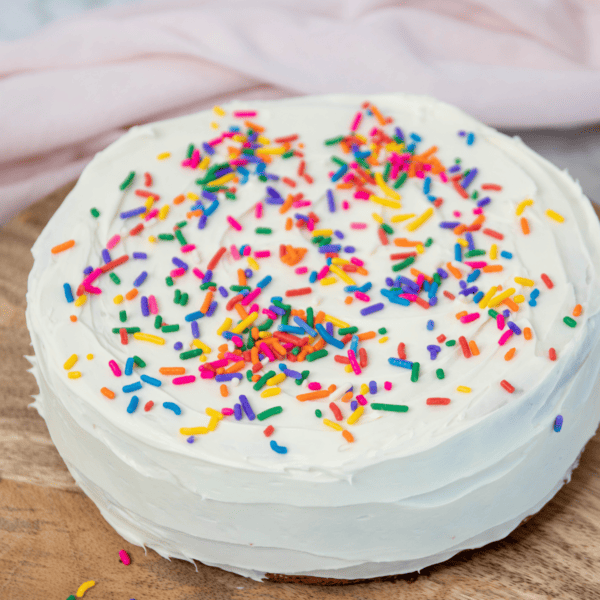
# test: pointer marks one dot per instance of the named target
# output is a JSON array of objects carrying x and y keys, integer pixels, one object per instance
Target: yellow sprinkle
[
  {"x": 385, "y": 188},
  {"x": 84, "y": 587},
  {"x": 462, "y": 242},
  {"x": 385, "y": 201},
  {"x": 400, "y": 218},
  {"x": 328, "y": 280},
  {"x": 193, "y": 430},
  {"x": 148, "y": 337},
  {"x": 497, "y": 299},
  {"x": 384, "y": 339},
  {"x": 192, "y": 196},
  {"x": 484, "y": 301},
  {"x": 203, "y": 358},
  {"x": 225, "y": 326},
  {"x": 493, "y": 251},
  {"x": 90, "y": 356},
  {"x": 521, "y": 206},
  {"x": 70, "y": 361},
  {"x": 355, "y": 416},
  {"x": 271, "y": 150},
  {"x": 336, "y": 260},
  {"x": 264, "y": 334},
  {"x": 336, "y": 322},
  {"x": 261, "y": 139},
  {"x": 524, "y": 281},
  {"x": 323, "y": 232},
  {"x": 152, "y": 239},
  {"x": 245, "y": 323},
  {"x": 394, "y": 147},
  {"x": 214, "y": 414},
  {"x": 204, "y": 163},
  {"x": 238, "y": 137},
  {"x": 163, "y": 212},
  {"x": 118, "y": 299},
  {"x": 276, "y": 379},
  {"x": 377, "y": 217},
  {"x": 253, "y": 264},
  {"x": 333, "y": 425},
  {"x": 275, "y": 391},
  {"x": 163, "y": 155},
  {"x": 556, "y": 216},
  {"x": 212, "y": 424},
  {"x": 364, "y": 388},
  {"x": 464, "y": 389},
  {"x": 206, "y": 349},
  {"x": 81, "y": 300},
  {"x": 420, "y": 220},
  {"x": 222, "y": 180},
  {"x": 214, "y": 125},
  {"x": 342, "y": 274},
  {"x": 74, "y": 375},
  {"x": 420, "y": 248},
  {"x": 219, "y": 111},
  {"x": 348, "y": 368},
  {"x": 519, "y": 298},
  {"x": 149, "y": 202}
]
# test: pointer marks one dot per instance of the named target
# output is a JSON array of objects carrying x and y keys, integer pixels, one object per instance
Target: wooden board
[{"x": 52, "y": 538}]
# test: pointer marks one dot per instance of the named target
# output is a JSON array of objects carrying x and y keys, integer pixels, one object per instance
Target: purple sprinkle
[
  {"x": 145, "y": 309},
  {"x": 223, "y": 291},
  {"x": 506, "y": 313},
  {"x": 330, "y": 201},
  {"x": 272, "y": 200},
  {"x": 449, "y": 224},
  {"x": 469, "y": 178},
  {"x": 207, "y": 276},
  {"x": 462, "y": 133},
  {"x": 237, "y": 412},
  {"x": 443, "y": 274},
  {"x": 202, "y": 222},
  {"x": 209, "y": 196},
  {"x": 273, "y": 192},
  {"x": 338, "y": 234},
  {"x": 179, "y": 263},
  {"x": 470, "y": 290},
  {"x": 329, "y": 327},
  {"x": 353, "y": 405},
  {"x": 211, "y": 309},
  {"x": 228, "y": 377},
  {"x": 454, "y": 168},
  {"x": 433, "y": 301},
  {"x": 247, "y": 408},
  {"x": 293, "y": 374},
  {"x": 106, "y": 256},
  {"x": 88, "y": 270},
  {"x": 372, "y": 387},
  {"x": 208, "y": 148},
  {"x": 514, "y": 328},
  {"x": 350, "y": 249},
  {"x": 277, "y": 310},
  {"x": 389, "y": 281},
  {"x": 140, "y": 279},
  {"x": 132, "y": 213},
  {"x": 398, "y": 132},
  {"x": 325, "y": 248},
  {"x": 178, "y": 346},
  {"x": 140, "y": 255},
  {"x": 470, "y": 240},
  {"x": 484, "y": 201},
  {"x": 195, "y": 330},
  {"x": 248, "y": 273},
  {"x": 189, "y": 440},
  {"x": 371, "y": 309},
  {"x": 463, "y": 284}
]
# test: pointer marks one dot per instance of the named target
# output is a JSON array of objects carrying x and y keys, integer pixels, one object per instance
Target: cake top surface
[{"x": 311, "y": 285}]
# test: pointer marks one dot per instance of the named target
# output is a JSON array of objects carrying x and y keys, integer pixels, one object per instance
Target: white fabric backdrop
[{"x": 74, "y": 86}]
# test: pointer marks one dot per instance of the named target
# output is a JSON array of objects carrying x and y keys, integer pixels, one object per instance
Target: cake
[{"x": 328, "y": 337}]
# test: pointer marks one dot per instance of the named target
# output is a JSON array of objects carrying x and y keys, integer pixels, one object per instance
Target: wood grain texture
[{"x": 52, "y": 537}]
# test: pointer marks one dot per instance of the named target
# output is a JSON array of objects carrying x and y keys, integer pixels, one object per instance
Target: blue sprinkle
[
  {"x": 365, "y": 287},
  {"x": 179, "y": 263},
  {"x": 399, "y": 362},
  {"x": 211, "y": 208},
  {"x": 505, "y": 254},
  {"x": 247, "y": 408},
  {"x": 339, "y": 173},
  {"x": 132, "y": 387},
  {"x": 305, "y": 326},
  {"x": 426, "y": 185},
  {"x": 193, "y": 316},
  {"x": 237, "y": 411},
  {"x": 195, "y": 330},
  {"x": 534, "y": 293},
  {"x": 172, "y": 406},
  {"x": 178, "y": 346},
  {"x": 133, "y": 404},
  {"x": 329, "y": 248},
  {"x": 228, "y": 377},
  {"x": 264, "y": 282},
  {"x": 470, "y": 139},
  {"x": 430, "y": 325},
  {"x": 371, "y": 309},
  {"x": 372, "y": 387},
  {"x": 354, "y": 344},
  {"x": 277, "y": 448},
  {"x": 140, "y": 279},
  {"x": 330, "y": 201},
  {"x": 151, "y": 380},
  {"x": 415, "y": 137},
  {"x": 106, "y": 256},
  {"x": 474, "y": 275},
  {"x": 514, "y": 328},
  {"x": 478, "y": 296},
  {"x": 458, "y": 252},
  {"x": 144, "y": 305},
  {"x": 140, "y": 255},
  {"x": 223, "y": 291},
  {"x": 313, "y": 277},
  {"x": 328, "y": 337},
  {"x": 132, "y": 213},
  {"x": 558, "y": 423},
  {"x": 349, "y": 249},
  {"x": 68, "y": 292},
  {"x": 129, "y": 366}
]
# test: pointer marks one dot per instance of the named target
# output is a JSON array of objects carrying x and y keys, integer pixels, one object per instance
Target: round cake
[{"x": 324, "y": 337}]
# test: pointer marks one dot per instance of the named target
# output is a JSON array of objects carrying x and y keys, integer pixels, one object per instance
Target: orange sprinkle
[
  {"x": 235, "y": 367},
  {"x": 302, "y": 355},
  {"x": 473, "y": 347},
  {"x": 254, "y": 355},
  {"x": 241, "y": 311},
  {"x": 362, "y": 271},
  {"x": 459, "y": 229},
  {"x": 527, "y": 333},
  {"x": 131, "y": 294},
  {"x": 416, "y": 273},
  {"x": 492, "y": 268},
  {"x": 241, "y": 277},
  {"x": 377, "y": 114},
  {"x": 73, "y": 318},
  {"x": 577, "y": 310},
  {"x": 347, "y": 436},
  {"x": 313, "y": 395},
  {"x": 347, "y": 396},
  {"x": 287, "y": 204},
  {"x": 460, "y": 314},
  {"x": 222, "y": 348},
  {"x": 289, "y": 224},
  {"x": 510, "y": 354},
  {"x": 178, "y": 199},
  {"x": 254, "y": 126},
  {"x": 207, "y": 300},
  {"x": 525, "y": 226},
  {"x": 224, "y": 390},
  {"x": 425, "y": 155},
  {"x": 511, "y": 304},
  {"x": 62, "y": 247},
  {"x": 367, "y": 335},
  {"x": 349, "y": 300},
  {"x": 255, "y": 333},
  {"x": 332, "y": 388},
  {"x": 454, "y": 271},
  {"x": 404, "y": 243},
  {"x": 319, "y": 317},
  {"x": 255, "y": 377},
  {"x": 319, "y": 344},
  {"x": 172, "y": 370},
  {"x": 108, "y": 393}
]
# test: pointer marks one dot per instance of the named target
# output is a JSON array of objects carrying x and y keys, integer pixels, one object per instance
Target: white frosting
[{"x": 413, "y": 488}]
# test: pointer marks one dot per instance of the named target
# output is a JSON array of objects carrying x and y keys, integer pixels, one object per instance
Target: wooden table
[{"x": 52, "y": 538}]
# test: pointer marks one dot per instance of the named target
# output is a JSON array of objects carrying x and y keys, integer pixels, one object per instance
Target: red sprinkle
[
  {"x": 492, "y": 233},
  {"x": 148, "y": 405},
  {"x": 460, "y": 189},
  {"x": 449, "y": 295},
  {"x": 234, "y": 301},
  {"x": 109, "y": 266},
  {"x": 441, "y": 338},
  {"x": 465, "y": 346},
  {"x": 382, "y": 236},
  {"x": 341, "y": 359},
  {"x": 136, "y": 229},
  {"x": 401, "y": 351},
  {"x": 147, "y": 179},
  {"x": 401, "y": 255},
  {"x": 288, "y": 138},
  {"x": 507, "y": 386},
  {"x": 269, "y": 430},
  {"x": 288, "y": 181},
  {"x": 298, "y": 292},
  {"x": 362, "y": 358},
  {"x": 438, "y": 401},
  {"x": 124, "y": 337},
  {"x": 337, "y": 413},
  {"x": 491, "y": 186},
  {"x": 547, "y": 281},
  {"x": 214, "y": 261},
  {"x": 552, "y": 354}
]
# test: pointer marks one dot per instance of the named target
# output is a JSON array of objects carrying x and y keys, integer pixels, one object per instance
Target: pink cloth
[{"x": 75, "y": 86}]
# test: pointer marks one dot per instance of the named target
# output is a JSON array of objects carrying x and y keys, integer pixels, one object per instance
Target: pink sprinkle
[
  {"x": 505, "y": 337},
  {"x": 186, "y": 163},
  {"x": 244, "y": 113},
  {"x": 357, "y": 261},
  {"x": 420, "y": 174},
  {"x": 310, "y": 225},
  {"x": 301, "y": 203},
  {"x": 238, "y": 341},
  {"x": 239, "y": 162},
  {"x": 253, "y": 294},
  {"x": 361, "y": 400},
  {"x": 247, "y": 251},
  {"x": 456, "y": 213},
  {"x": 323, "y": 272},
  {"x": 151, "y": 214},
  {"x": 114, "y": 240},
  {"x": 314, "y": 385},
  {"x": 478, "y": 210},
  {"x": 253, "y": 308},
  {"x": 216, "y": 141},
  {"x": 362, "y": 194},
  {"x": 234, "y": 223},
  {"x": 301, "y": 270},
  {"x": 92, "y": 277},
  {"x": 345, "y": 205},
  {"x": 269, "y": 313},
  {"x": 409, "y": 297},
  {"x": 124, "y": 557},
  {"x": 475, "y": 264},
  {"x": 235, "y": 253},
  {"x": 267, "y": 352},
  {"x": 358, "y": 225},
  {"x": 356, "y": 121},
  {"x": 420, "y": 279},
  {"x": 206, "y": 373},
  {"x": 198, "y": 273},
  {"x": 355, "y": 366},
  {"x": 362, "y": 296},
  {"x": 387, "y": 386},
  {"x": 227, "y": 411},
  {"x": 373, "y": 131},
  {"x": 92, "y": 289},
  {"x": 469, "y": 318},
  {"x": 258, "y": 210},
  {"x": 188, "y": 248},
  {"x": 262, "y": 254},
  {"x": 348, "y": 177},
  {"x": 500, "y": 321},
  {"x": 444, "y": 177},
  {"x": 152, "y": 305},
  {"x": 177, "y": 272},
  {"x": 114, "y": 367},
  {"x": 218, "y": 363},
  {"x": 183, "y": 380},
  {"x": 232, "y": 356}
]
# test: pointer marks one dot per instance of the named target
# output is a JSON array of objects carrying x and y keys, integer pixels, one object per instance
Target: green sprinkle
[
  {"x": 471, "y": 253},
  {"x": 451, "y": 343},
  {"x": 250, "y": 343},
  {"x": 335, "y": 140},
  {"x": 475, "y": 195},
  {"x": 249, "y": 375},
  {"x": 71, "y": 597},
  {"x": 239, "y": 288},
  {"x": 177, "y": 297},
  {"x": 285, "y": 319},
  {"x": 389, "y": 407},
  {"x": 263, "y": 380},
  {"x": 207, "y": 284},
  {"x": 346, "y": 330},
  {"x": 230, "y": 196},
  {"x": 95, "y": 212},
  {"x": 288, "y": 154},
  {"x": 166, "y": 236},
  {"x": 127, "y": 180},
  {"x": 264, "y": 230},
  {"x": 387, "y": 229},
  {"x": 265, "y": 414},
  {"x": 170, "y": 328},
  {"x": 318, "y": 413},
  {"x": 305, "y": 374},
  {"x": 296, "y": 350},
  {"x": 286, "y": 307},
  {"x": 400, "y": 180},
  {"x": 386, "y": 171},
  {"x": 382, "y": 331},
  {"x": 169, "y": 281},
  {"x": 428, "y": 243},
  {"x": 127, "y": 329},
  {"x": 570, "y": 322},
  {"x": 405, "y": 263},
  {"x": 180, "y": 237},
  {"x": 115, "y": 278},
  {"x": 157, "y": 322},
  {"x": 190, "y": 353},
  {"x": 181, "y": 224},
  {"x": 310, "y": 317},
  {"x": 263, "y": 177},
  {"x": 316, "y": 355},
  {"x": 492, "y": 313},
  {"x": 339, "y": 161},
  {"x": 184, "y": 299},
  {"x": 437, "y": 278},
  {"x": 440, "y": 374},
  {"x": 266, "y": 325},
  {"x": 414, "y": 375},
  {"x": 123, "y": 316},
  {"x": 190, "y": 151},
  {"x": 139, "y": 362}
]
